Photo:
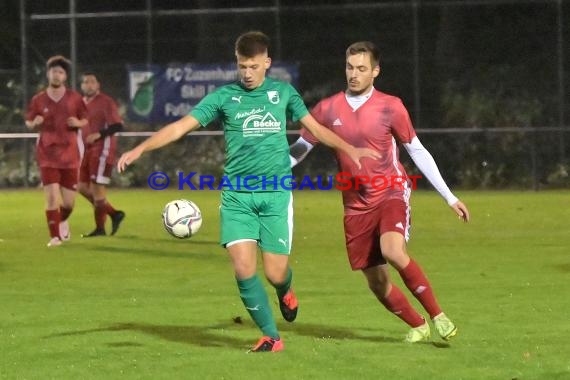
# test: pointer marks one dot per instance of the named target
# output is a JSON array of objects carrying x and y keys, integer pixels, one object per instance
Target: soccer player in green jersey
[{"x": 256, "y": 209}]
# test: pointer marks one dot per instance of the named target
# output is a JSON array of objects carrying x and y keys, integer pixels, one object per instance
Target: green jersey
[{"x": 257, "y": 151}]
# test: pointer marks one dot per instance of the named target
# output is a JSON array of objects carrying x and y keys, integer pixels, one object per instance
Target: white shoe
[
  {"x": 444, "y": 327},
  {"x": 54, "y": 242},
  {"x": 418, "y": 334},
  {"x": 64, "y": 231}
]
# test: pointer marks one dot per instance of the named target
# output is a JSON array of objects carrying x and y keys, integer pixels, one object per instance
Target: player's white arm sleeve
[
  {"x": 299, "y": 150},
  {"x": 425, "y": 162}
]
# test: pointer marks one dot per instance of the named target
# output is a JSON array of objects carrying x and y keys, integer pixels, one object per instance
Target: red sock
[
  {"x": 110, "y": 210},
  {"x": 65, "y": 212},
  {"x": 397, "y": 303},
  {"x": 100, "y": 213},
  {"x": 53, "y": 219},
  {"x": 417, "y": 282}
]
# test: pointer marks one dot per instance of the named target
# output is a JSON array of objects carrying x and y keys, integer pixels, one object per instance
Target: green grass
[{"x": 143, "y": 305}]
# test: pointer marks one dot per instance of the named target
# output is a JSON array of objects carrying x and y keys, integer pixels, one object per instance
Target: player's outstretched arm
[
  {"x": 425, "y": 162},
  {"x": 329, "y": 138},
  {"x": 164, "y": 136}
]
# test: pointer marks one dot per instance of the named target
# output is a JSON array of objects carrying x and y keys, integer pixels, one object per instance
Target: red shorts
[
  {"x": 362, "y": 232},
  {"x": 95, "y": 168},
  {"x": 65, "y": 177}
]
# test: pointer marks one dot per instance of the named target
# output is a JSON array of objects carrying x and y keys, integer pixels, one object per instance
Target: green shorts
[{"x": 266, "y": 217}]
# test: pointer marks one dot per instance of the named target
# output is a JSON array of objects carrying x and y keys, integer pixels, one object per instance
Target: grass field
[{"x": 143, "y": 305}]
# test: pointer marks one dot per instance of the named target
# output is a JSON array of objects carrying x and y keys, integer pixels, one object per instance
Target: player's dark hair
[
  {"x": 88, "y": 73},
  {"x": 252, "y": 43},
  {"x": 365, "y": 47},
  {"x": 61, "y": 61}
]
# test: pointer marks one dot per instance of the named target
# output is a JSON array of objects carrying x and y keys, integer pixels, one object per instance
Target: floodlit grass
[{"x": 143, "y": 305}]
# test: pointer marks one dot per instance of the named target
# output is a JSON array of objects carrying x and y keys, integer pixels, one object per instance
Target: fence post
[
  {"x": 533, "y": 160},
  {"x": 24, "y": 78},
  {"x": 561, "y": 92}
]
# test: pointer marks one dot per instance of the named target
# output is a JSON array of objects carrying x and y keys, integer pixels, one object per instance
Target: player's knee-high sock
[
  {"x": 53, "y": 219},
  {"x": 417, "y": 282},
  {"x": 255, "y": 300},
  {"x": 109, "y": 209},
  {"x": 65, "y": 212},
  {"x": 283, "y": 288},
  {"x": 397, "y": 303},
  {"x": 100, "y": 213}
]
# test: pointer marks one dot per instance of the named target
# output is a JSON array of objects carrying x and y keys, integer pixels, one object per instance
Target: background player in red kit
[
  {"x": 377, "y": 219},
  {"x": 99, "y": 158},
  {"x": 57, "y": 113}
]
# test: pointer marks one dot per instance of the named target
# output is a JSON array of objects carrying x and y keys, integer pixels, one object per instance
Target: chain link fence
[{"x": 486, "y": 82}]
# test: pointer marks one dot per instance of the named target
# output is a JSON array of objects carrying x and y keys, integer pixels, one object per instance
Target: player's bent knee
[
  {"x": 378, "y": 286},
  {"x": 276, "y": 277},
  {"x": 243, "y": 272},
  {"x": 275, "y": 266},
  {"x": 398, "y": 258}
]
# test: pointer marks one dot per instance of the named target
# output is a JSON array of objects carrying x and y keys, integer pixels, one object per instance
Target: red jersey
[
  {"x": 102, "y": 112},
  {"x": 57, "y": 145},
  {"x": 380, "y": 123}
]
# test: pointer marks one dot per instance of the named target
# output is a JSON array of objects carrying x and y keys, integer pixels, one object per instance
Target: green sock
[
  {"x": 254, "y": 298},
  {"x": 284, "y": 287}
]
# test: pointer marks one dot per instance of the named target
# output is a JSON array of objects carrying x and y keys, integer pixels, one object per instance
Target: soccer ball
[{"x": 181, "y": 218}]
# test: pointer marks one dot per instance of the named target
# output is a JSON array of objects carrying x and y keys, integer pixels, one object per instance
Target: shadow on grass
[
  {"x": 440, "y": 344},
  {"x": 163, "y": 251},
  {"x": 197, "y": 335},
  {"x": 124, "y": 344},
  {"x": 564, "y": 268},
  {"x": 165, "y": 240},
  {"x": 209, "y": 336},
  {"x": 332, "y": 332},
  {"x": 339, "y": 333}
]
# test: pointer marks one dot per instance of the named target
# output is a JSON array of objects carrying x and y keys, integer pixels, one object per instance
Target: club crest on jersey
[{"x": 273, "y": 97}]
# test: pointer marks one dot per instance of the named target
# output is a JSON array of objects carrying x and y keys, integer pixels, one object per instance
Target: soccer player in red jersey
[
  {"x": 100, "y": 149},
  {"x": 57, "y": 113},
  {"x": 377, "y": 217}
]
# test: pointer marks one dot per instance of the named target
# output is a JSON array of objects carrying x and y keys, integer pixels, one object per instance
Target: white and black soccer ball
[{"x": 181, "y": 218}]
